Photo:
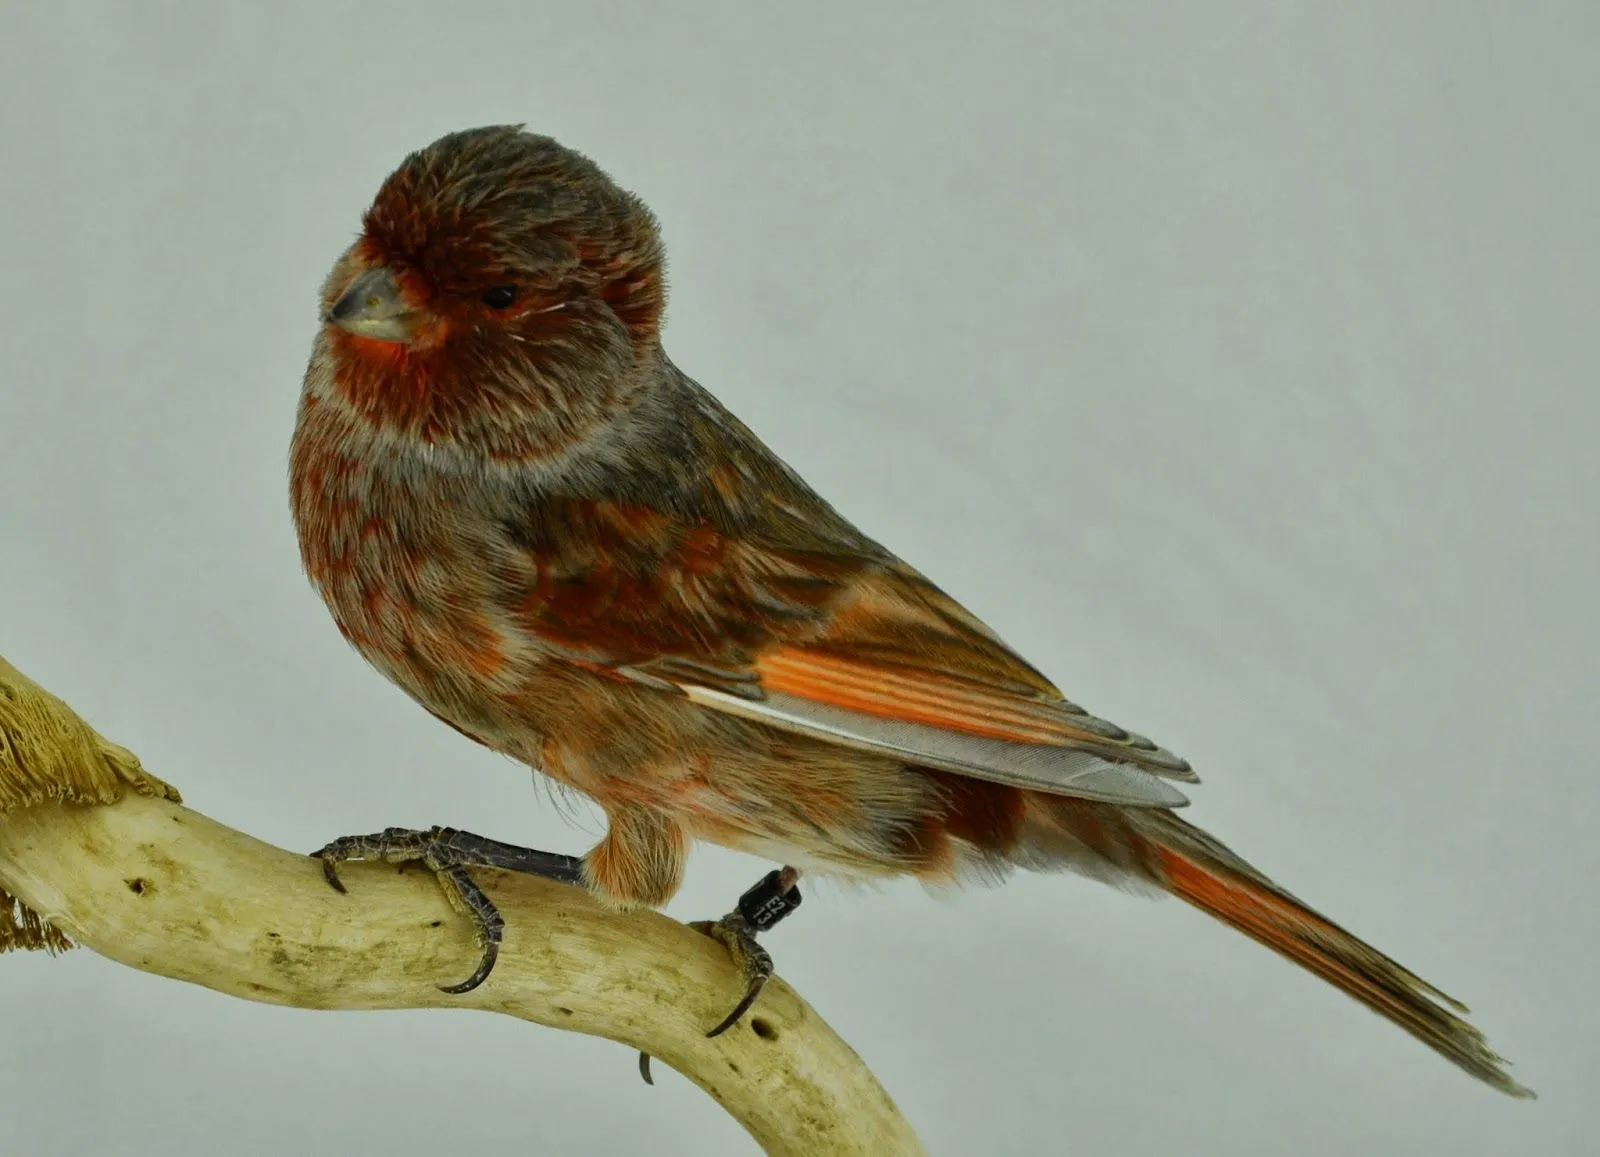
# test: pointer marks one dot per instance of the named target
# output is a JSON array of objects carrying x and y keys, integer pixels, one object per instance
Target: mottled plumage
[{"x": 518, "y": 509}]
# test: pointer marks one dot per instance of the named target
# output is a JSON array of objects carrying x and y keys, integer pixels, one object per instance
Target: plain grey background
[{"x": 1236, "y": 361}]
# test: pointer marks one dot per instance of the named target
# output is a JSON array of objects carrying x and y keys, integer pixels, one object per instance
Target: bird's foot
[
  {"x": 448, "y": 853},
  {"x": 758, "y": 910}
]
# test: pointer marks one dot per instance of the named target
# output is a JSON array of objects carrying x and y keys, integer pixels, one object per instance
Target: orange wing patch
[
  {"x": 914, "y": 697},
  {"x": 923, "y": 697}
]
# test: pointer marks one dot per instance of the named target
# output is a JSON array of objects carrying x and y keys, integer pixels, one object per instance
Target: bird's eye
[{"x": 500, "y": 297}]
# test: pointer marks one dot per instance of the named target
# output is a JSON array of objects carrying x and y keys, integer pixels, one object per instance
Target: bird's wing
[{"x": 850, "y": 645}]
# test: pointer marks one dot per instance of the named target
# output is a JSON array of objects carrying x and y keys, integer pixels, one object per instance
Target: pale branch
[{"x": 145, "y": 881}]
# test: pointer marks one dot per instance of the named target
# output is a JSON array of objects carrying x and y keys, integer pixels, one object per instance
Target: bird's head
[{"x": 503, "y": 296}]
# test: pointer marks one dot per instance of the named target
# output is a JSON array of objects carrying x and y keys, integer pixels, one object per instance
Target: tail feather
[
  {"x": 1200, "y": 870},
  {"x": 1146, "y": 847}
]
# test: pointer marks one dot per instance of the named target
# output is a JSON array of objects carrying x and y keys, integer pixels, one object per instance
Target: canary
[{"x": 519, "y": 510}]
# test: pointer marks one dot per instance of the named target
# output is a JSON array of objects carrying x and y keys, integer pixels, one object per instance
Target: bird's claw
[
  {"x": 759, "y": 909},
  {"x": 736, "y": 934},
  {"x": 448, "y": 853},
  {"x": 773, "y": 898}
]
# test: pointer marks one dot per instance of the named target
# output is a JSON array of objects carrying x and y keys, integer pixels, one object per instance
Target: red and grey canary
[{"x": 523, "y": 513}]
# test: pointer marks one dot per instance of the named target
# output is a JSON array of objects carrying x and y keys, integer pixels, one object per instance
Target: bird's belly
[
  {"x": 818, "y": 806},
  {"x": 420, "y": 609}
]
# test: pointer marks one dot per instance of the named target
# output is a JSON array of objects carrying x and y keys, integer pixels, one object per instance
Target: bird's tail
[{"x": 1164, "y": 850}]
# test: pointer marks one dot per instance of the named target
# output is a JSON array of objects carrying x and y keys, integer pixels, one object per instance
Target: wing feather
[
  {"x": 1038, "y": 767},
  {"x": 831, "y": 636}
]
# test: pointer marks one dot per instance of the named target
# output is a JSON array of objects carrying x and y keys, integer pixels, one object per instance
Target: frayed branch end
[{"x": 48, "y": 754}]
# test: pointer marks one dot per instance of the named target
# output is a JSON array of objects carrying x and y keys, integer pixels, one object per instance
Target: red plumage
[{"x": 518, "y": 509}]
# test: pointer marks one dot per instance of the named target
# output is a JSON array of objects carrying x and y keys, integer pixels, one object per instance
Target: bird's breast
[{"x": 412, "y": 570}]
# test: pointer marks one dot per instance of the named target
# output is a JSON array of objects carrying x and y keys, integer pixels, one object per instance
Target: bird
[{"x": 519, "y": 510}]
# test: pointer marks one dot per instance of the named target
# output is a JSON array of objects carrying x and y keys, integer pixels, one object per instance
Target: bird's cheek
[
  {"x": 429, "y": 331},
  {"x": 428, "y": 321}
]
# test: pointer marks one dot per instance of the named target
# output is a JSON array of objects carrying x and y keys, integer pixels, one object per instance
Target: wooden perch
[{"x": 95, "y": 848}]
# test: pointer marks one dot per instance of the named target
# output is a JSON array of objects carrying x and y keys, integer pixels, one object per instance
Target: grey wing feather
[{"x": 1037, "y": 767}]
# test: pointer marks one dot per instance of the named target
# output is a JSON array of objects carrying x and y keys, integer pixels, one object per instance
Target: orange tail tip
[{"x": 1244, "y": 900}]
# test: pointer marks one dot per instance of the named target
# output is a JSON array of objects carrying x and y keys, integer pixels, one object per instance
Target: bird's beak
[{"x": 372, "y": 307}]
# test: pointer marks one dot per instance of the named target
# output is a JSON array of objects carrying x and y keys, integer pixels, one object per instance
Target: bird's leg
[
  {"x": 758, "y": 909},
  {"x": 774, "y": 897},
  {"x": 448, "y": 853}
]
